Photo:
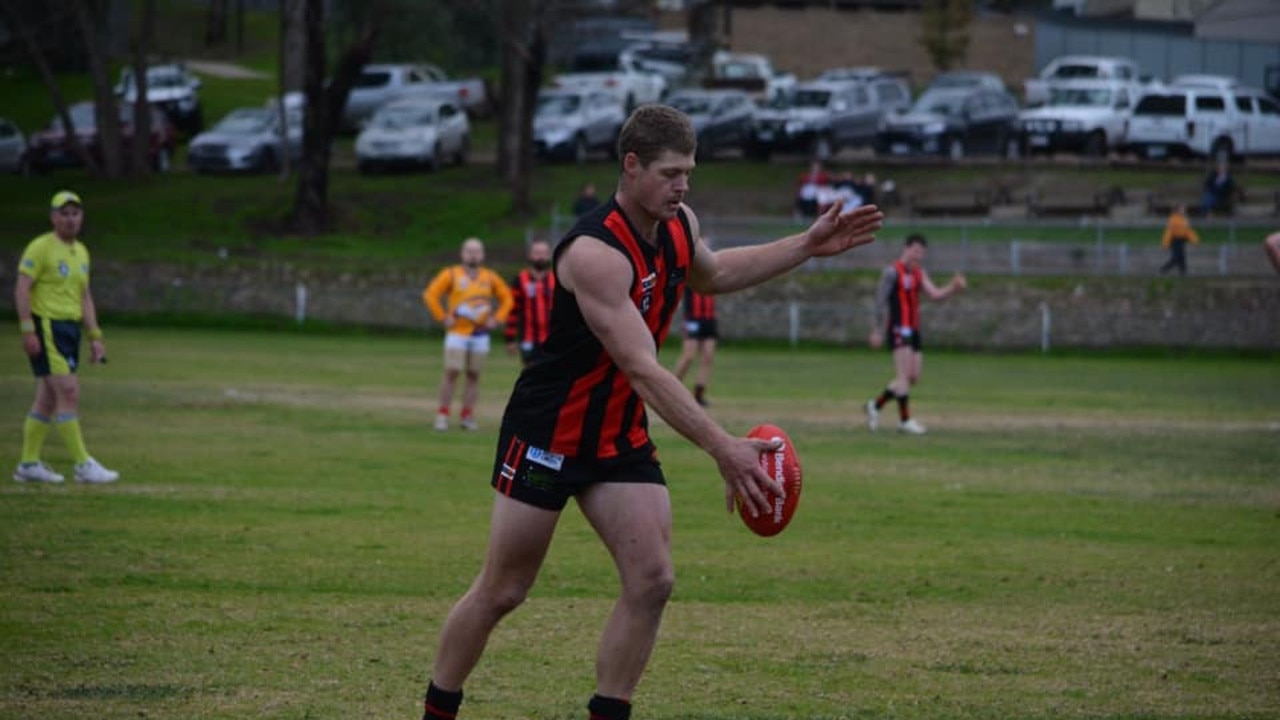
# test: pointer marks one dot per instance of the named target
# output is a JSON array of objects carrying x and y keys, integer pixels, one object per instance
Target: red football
[{"x": 783, "y": 465}]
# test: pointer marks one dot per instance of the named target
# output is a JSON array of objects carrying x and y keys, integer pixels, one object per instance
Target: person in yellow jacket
[
  {"x": 469, "y": 300},
  {"x": 1177, "y": 233},
  {"x": 53, "y": 301}
]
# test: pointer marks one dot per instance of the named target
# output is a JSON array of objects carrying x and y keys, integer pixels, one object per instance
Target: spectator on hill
[
  {"x": 586, "y": 200},
  {"x": 1219, "y": 191},
  {"x": 810, "y": 188},
  {"x": 1177, "y": 233}
]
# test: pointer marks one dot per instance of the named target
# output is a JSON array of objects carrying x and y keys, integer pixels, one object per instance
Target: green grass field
[{"x": 1078, "y": 537}]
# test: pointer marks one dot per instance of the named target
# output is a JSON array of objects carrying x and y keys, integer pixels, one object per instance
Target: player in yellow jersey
[
  {"x": 469, "y": 300},
  {"x": 53, "y": 300}
]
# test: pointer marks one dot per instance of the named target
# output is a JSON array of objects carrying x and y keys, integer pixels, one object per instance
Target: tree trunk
[
  {"x": 18, "y": 26},
  {"x": 215, "y": 28},
  {"x": 142, "y": 40},
  {"x": 523, "y": 57},
  {"x": 105, "y": 103},
  {"x": 323, "y": 112}
]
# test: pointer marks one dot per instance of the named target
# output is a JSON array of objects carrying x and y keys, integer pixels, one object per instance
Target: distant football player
[
  {"x": 530, "y": 317},
  {"x": 897, "y": 324},
  {"x": 469, "y": 300}
]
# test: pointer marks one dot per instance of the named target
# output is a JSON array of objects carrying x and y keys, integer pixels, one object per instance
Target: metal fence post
[
  {"x": 1124, "y": 258},
  {"x": 1015, "y": 262},
  {"x": 1046, "y": 322},
  {"x": 300, "y": 303},
  {"x": 793, "y": 313}
]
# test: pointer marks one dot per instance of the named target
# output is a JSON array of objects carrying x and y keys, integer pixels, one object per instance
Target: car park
[
  {"x": 819, "y": 119},
  {"x": 954, "y": 123},
  {"x": 751, "y": 72},
  {"x": 722, "y": 119},
  {"x": 1199, "y": 117},
  {"x": 417, "y": 132},
  {"x": 13, "y": 148},
  {"x": 248, "y": 139},
  {"x": 50, "y": 147},
  {"x": 172, "y": 88},
  {"x": 1082, "y": 116},
  {"x": 569, "y": 124}
]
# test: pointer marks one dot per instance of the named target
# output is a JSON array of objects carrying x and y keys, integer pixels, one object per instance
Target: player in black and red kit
[
  {"x": 700, "y": 333},
  {"x": 576, "y": 424},
  {"x": 897, "y": 324},
  {"x": 531, "y": 289}
]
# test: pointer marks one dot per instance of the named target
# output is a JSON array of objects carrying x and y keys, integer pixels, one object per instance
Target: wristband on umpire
[
  {"x": 95, "y": 334},
  {"x": 27, "y": 326}
]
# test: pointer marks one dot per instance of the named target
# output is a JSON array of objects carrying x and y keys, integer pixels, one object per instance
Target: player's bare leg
[
  {"x": 470, "y": 393},
  {"x": 1272, "y": 246},
  {"x": 519, "y": 535},
  {"x": 688, "y": 348},
  {"x": 447, "y": 385},
  {"x": 706, "y": 356},
  {"x": 634, "y": 521}
]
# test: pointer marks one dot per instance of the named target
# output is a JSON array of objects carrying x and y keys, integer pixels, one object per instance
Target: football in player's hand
[{"x": 783, "y": 465}]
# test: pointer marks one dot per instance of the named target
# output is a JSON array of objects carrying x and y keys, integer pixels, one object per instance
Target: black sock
[
  {"x": 904, "y": 413},
  {"x": 885, "y": 397},
  {"x": 699, "y": 391},
  {"x": 441, "y": 704},
  {"x": 606, "y": 708}
]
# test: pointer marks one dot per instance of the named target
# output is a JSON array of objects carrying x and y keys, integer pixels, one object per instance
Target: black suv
[{"x": 953, "y": 123}]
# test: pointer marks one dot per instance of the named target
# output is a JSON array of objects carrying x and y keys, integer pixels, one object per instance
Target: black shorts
[
  {"x": 701, "y": 330},
  {"x": 527, "y": 350},
  {"x": 59, "y": 347},
  {"x": 546, "y": 480},
  {"x": 898, "y": 336}
]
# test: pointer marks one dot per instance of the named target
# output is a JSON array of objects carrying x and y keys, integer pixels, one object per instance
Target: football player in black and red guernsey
[
  {"x": 897, "y": 324},
  {"x": 576, "y": 424},
  {"x": 700, "y": 333},
  {"x": 532, "y": 289}
]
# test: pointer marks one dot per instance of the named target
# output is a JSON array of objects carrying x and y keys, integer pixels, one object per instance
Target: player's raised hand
[
  {"x": 836, "y": 231},
  {"x": 959, "y": 282}
]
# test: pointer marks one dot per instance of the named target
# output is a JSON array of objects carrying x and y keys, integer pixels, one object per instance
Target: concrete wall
[{"x": 996, "y": 313}]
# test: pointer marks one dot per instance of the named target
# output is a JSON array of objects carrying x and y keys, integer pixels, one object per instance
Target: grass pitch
[{"x": 1077, "y": 537}]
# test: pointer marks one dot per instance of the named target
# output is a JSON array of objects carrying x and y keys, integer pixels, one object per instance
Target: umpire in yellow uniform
[{"x": 53, "y": 301}]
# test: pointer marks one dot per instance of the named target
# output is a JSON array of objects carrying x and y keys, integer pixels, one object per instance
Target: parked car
[
  {"x": 751, "y": 72},
  {"x": 49, "y": 148},
  {"x": 569, "y": 124},
  {"x": 668, "y": 54},
  {"x": 13, "y": 148},
  {"x": 1218, "y": 119},
  {"x": 889, "y": 91},
  {"x": 416, "y": 131},
  {"x": 723, "y": 119},
  {"x": 966, "y": 79},
  {"x": 174, "y": 89},
  {"x": 629, "y": 85},
  {"x": 954, "y": 123},
  {"x": 379, "y": 84},
  {"x": 821, "y": 117},
  {"x": 1084, "y": 116},
  {"x": 248, "y": 139},
  {"x": 1080, "y": 67}
]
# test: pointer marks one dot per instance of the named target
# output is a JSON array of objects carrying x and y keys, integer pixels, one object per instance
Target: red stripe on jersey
[
  {"x": 568, "y": 430},
  {"x": 908, "y": 292},
  {"x": 620, "y": 392}
]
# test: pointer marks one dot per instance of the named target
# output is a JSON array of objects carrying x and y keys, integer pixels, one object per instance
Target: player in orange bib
[{"x": 469, "y": 300}]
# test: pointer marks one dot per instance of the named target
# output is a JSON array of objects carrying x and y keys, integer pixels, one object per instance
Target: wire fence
[{"x": 1019, "y": 248}]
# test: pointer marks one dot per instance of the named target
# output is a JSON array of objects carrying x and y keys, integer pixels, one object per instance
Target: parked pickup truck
[
  {"x": 380, "y": 83},
  {"x": 630, "y": 86},
  {"x": 752, "y": 73}
]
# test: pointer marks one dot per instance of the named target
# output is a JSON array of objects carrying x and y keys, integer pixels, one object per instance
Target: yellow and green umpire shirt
[{"x": 61, "y": 274}]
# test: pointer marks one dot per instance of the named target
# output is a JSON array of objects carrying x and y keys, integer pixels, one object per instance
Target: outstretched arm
[
  {"x": 600, "y": 278},
  {"x": 737, "y": 268},
  {"x": 956, "y": 284}
]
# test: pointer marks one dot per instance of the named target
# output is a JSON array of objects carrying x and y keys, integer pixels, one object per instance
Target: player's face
[
  {"x": 540, "y": 255},
  {"x": 660, "y": 186},
  {"x": 472, "y": 254},
  {"x": 67, "y": 221},
  {"x": 915, "y": 255}
]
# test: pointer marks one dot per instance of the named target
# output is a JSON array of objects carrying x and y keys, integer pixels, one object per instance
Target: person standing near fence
[
  {"x": 469, "y": 300},
  {"x": 54, "y": 302},
  {"x": 897, "y": 324},
  {"x": 531, "y": 290},
  {"x": 1177, "y": 233}
]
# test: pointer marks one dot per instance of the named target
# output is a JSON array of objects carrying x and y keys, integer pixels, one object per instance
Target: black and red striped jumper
[
  {"x": 574, "y": 400},
  {"x": 530, "y": 318}
]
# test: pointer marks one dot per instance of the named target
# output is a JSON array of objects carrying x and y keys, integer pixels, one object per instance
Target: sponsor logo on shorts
[{"x": 546, "y": 459}]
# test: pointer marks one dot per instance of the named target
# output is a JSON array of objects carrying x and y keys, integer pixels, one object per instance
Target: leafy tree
[{"x": 945, "y": 31}]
